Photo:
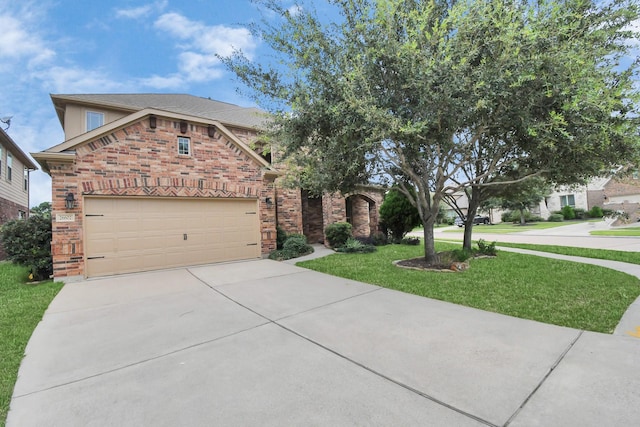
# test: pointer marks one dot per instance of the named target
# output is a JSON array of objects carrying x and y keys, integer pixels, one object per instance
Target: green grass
[
  {"x": 563, "y": 293},
  {"x": 627, "y": 231},
  {"x": 505, "y": 228},
  {"x": 611, "y": 255},
  {"x": 21, "y": 310}
]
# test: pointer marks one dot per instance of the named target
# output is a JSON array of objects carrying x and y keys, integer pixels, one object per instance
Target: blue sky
[{"x": 119, "y": 46}]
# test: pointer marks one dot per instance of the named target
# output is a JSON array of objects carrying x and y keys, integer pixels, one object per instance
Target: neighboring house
[
  {"x": 574, "y": 196},
  {"x": 618, "y": 193},
  {"x": 149, "y": 181},
  {"x": 15, "y": 167}
]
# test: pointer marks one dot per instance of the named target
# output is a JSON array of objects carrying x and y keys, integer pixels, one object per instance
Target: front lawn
[
  {"x": 22, "y": 308},
  {"x": 563, "y": 293}
]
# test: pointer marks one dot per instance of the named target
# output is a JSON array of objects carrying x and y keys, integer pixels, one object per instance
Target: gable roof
[
  {"x": 190, "y": 105},
  {"x": 16, "y": 151},
  {"x": 65, "y": 152}
]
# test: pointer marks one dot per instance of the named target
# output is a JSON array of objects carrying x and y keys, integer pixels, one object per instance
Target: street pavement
[{"x": 262, "y": 343}]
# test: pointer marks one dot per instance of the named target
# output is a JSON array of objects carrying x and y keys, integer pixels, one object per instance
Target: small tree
[
  {"x": 398, "y": 215},
  {"x": 27, "y": 242},
  {"x": 524, "y": 195}
]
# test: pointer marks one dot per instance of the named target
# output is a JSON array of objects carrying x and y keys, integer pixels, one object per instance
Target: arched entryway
[{"x": 362, "y": 214}]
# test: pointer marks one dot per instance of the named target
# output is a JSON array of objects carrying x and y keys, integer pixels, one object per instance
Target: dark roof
[
  {"x": 16, "y": 151},
  {"x": 178, "y": 103}
]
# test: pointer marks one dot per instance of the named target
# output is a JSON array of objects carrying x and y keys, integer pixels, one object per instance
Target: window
[
  {"x": 94, "y": 120},
  {"x": 9, "y": 165},
  {"x": 22, "y": 215},
  {"x": 26, "y": 179},
  {"x": 567, "y": 200},
  {"x": 184, "y": 145}
]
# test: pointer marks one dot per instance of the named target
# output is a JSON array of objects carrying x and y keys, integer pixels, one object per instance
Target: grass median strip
[
  {"x": 628, "y": 231},
  {"x": 610, "y": 255},
  {"x": 22, "y": 308},
  {"x": 559, "y": 292}
]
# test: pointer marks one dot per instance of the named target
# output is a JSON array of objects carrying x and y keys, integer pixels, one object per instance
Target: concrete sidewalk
[{"x": 263, "y": 343}]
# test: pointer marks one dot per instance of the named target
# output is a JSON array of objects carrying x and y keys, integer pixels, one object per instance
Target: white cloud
[
  {"x": 200, "y": 45},
  {"x": 77, "y": 80},
  {"x": 295, "y": 9},
  {"x": 199, "y": 68},
  {"x": 18, "y": 42},
  {"x": 142, "y": 11},
  {"x": 164, "y": 82}
]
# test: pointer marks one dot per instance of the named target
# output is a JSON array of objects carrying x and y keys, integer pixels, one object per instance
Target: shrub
[
  {"x": 27, "y": 242},
  {"x": 556, "y": 217},
  {"x": 514, "y": 216},
  {"x": 365, "y": 240},
  {"x": 568, "y": 212},
  {"x": 581, "y": 213},
  {"x": 295, "y": 246},
  {"x": 485, "y": 248},
  {"x": 398, "y": 215},
  {"x": 379, "y": 239},
  {"x": 413, "y": 241},
  {"x": 281, "y": 236},
  {"x": 596, "y": 212},
  {"x": 281, "y": 255},
  {"x": 338, "y": 233},
  {"x": 356, "y": 246},
  {"x": 461, "y": 254}
]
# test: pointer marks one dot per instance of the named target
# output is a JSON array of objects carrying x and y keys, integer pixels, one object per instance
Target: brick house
[
  {"x": 15, "y": 167},
  {"x": 618, "y": 193},
  {"x": 149, "y": 181}
]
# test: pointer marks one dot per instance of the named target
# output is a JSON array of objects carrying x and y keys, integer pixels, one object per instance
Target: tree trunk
[
  {"x": 522, "y": 221},
  {"x": 472, "y": 210},
  {"x": 429, "y": 243},
  {"x": 468, "y": 231}
]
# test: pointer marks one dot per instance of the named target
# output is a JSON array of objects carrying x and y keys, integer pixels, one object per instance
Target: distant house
[
  {"x": 617, "y": 193},
  {"x": 15, "y": 166},
  {"x": 150, "y": 181}
]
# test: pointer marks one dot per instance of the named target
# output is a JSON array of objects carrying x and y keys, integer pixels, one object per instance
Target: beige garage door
[{"x": 124, "y": 235}]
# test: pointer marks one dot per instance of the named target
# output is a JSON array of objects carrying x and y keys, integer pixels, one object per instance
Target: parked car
[{"x": 479, "y": 219}]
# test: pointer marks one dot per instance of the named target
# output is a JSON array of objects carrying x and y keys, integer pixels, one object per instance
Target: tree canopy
[{"x": 441, "y": 97}]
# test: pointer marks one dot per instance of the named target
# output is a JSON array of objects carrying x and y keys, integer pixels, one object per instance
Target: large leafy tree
[{"x": 441, "y": 97}]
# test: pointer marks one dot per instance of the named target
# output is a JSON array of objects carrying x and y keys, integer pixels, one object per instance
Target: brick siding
[{"x": 139, "y": 161}]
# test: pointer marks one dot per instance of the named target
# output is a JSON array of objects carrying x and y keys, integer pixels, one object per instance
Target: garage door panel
[{"x": 126, "y": 234}]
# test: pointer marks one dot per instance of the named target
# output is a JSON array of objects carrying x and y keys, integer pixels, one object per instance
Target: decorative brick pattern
[{"x": 139, "y": 161}]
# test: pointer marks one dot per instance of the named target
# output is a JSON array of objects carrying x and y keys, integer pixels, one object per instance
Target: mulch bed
[{"x": 422, "y": 264}]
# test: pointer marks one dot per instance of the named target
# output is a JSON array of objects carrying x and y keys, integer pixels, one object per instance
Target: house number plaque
[{"x": 66, "y": 217}]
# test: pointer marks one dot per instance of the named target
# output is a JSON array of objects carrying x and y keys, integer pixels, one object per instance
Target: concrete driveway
[{"x": 262, "y": 343}]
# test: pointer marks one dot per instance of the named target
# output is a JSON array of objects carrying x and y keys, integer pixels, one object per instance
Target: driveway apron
[{"x": 271, "y": 344}]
